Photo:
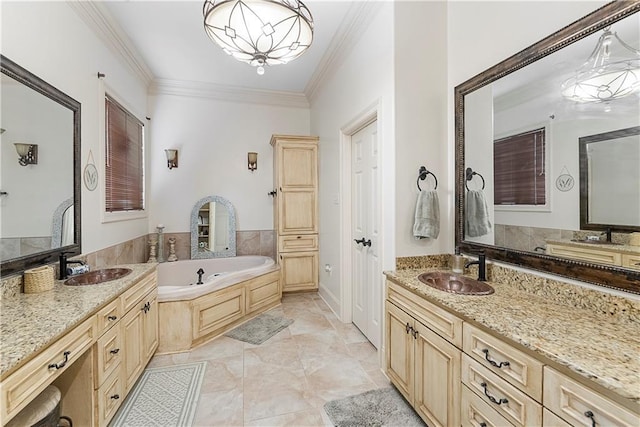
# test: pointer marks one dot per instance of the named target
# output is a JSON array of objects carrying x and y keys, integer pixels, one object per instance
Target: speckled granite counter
[
  {"x": 599, "y": 340},
  {"x": 29, "y": 322}
]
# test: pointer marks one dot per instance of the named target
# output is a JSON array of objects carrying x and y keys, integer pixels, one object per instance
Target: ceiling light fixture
[
  {"x": 259, "y": 32},
  {"x": 612, "y": 71}
]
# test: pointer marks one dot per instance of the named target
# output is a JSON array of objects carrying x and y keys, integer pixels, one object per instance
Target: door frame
[{"x": 361, "y": 120}]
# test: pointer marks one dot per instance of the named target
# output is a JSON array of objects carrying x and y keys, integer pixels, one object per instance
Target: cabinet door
[
  {"x": 297, "y": 211},
  {"x": 399, "y": 349},
  {"x": 437, "y": 377},
  {"x": 150, "y": 327},
  {"x": 298, "y": 164},
  {"x": 133, "y": 332},
  {"x": 299, "y": 271}
]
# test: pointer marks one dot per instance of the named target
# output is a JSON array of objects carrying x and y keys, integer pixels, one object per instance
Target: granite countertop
[
  {"x": 599, "y": 246},
  {"x": 29, "y": 322},
  {"x": 597, "y": 345}
]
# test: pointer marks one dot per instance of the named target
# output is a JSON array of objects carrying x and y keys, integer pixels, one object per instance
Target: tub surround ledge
[
  {"x": 30, "y": 322},
  {"x": 588, "y": 334}
]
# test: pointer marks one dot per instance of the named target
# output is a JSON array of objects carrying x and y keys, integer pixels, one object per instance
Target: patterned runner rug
[
  {"x": 261, "y": 328},
  {"x": 165, "y": 396},
  {"x": 382, "y": 407}
]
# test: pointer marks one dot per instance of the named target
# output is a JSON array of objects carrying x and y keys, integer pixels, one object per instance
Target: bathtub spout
[{"x": 199, "y": 273}]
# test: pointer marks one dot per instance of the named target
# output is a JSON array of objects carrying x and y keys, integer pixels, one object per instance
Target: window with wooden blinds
[
  {"x": 124, "y": 171},
  {"x": 519, "y": 169}
]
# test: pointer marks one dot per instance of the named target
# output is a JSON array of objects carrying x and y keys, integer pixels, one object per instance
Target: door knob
[{"x": 367, "y": 242}]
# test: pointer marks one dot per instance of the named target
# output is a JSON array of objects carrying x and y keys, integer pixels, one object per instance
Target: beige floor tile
[
  {"x": 320, "y": 345},
  {"x": 168, "y": 360},
  {"x": 219, "y": 348},
  {"x": 271, "y": 395},
  {"x": 220, "y": 408},
  {"x": 306, "y": 322},
  {"x": 269, "y": 360},
  {"x": 223, "y": 374},
  {"x": 335, "y": 372},
  {"x": 348, "y": 332},
  {"x": 310, "y": 418}
]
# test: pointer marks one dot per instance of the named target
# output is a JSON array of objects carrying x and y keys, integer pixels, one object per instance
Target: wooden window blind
[
  {"x": 124, "y": 159},
  {"x": 519, "y": 169}
]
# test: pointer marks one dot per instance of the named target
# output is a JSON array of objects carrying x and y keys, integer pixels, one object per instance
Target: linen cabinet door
[
  {"x": 437, "y": 373},
  {"x": 133, "y": 334},
  {"x": 399, "y": 350},
  {"x": 150, "y": 327}
]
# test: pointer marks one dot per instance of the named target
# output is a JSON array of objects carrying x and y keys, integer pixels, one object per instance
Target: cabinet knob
[
  {"x": 114, "y": 351},
  {"x": 115, "y": 397}
]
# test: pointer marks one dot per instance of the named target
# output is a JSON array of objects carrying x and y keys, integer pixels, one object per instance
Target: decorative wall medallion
[
  {"x": 90, "y": 174},
  {"x": 565, "y": 181}
]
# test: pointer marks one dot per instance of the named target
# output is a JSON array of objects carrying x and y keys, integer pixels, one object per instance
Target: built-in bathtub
[{"x": 233, "y": 290}]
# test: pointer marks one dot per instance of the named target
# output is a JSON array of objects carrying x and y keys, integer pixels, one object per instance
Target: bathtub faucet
[{"x": 199, "y": 273}]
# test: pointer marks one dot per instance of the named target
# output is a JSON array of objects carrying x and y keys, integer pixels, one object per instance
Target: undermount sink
[
  {"x": 595, "y": 242},
  {"x": 97, "y": 276},
  {"x": 455, "y": 284}
]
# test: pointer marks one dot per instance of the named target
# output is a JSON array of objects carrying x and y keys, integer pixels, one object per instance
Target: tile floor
[{"x": 286, "y": 380}]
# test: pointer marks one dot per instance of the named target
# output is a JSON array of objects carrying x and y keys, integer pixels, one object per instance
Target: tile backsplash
[{"x": 259, "y": 242}]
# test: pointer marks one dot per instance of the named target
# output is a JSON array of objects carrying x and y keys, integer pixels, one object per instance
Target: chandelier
[
  {"x": 612, "y": 71},
  {"x": 259, "y": 32}
]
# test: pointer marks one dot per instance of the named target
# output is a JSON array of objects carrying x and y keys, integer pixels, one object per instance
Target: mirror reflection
[{"x": 213, "y": 228}]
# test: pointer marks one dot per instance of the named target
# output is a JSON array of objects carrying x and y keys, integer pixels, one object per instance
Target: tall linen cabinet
[{"x": 295, "y": 169}]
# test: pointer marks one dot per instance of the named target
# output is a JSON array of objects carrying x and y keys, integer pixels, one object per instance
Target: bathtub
[
  {"x": 177, "y": 280},
  {"x": 234, "y": 290}
]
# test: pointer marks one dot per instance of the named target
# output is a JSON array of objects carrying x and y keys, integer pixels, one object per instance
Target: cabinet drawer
[
  {"x": 441, "y": 321},
  {"x": 109, "y": 316},
  {"x": 631, "y": 261},
  {"x": 108, "y": 355},
  {"x": 298, "y": 242},
  {"x": 139, "y": 290},
  {"x": 549, "y": 419},
  {"x": 574, "y": 402},
  {"x": 513, "y": 365},
  {"x": 507, "y": 400},
  {"x": 476, "y": 412},
  {"x": 18, "y": 389},
  {"x": 585, "y": 254},
  {"x": 215, "y": 311},
  {"x": 109, "y": 398}
]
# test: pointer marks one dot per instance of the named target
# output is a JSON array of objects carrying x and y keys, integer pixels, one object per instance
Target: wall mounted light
[
  {"x": 172, "y": 158},
  {"x": 252, "y": 161},
  {"x": 27, "y": 153}
]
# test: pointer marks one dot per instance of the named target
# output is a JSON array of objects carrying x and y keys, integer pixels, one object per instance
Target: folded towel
[
  {"x": 476, "y": 214},
  {"x": 427, "y": 217}
]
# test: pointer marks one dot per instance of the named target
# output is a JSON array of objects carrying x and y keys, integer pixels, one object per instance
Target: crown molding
[
  {"x": 228, "y": 93},
  {"x": 354, "y": 24},
  {"x": 98, "y": 18}
]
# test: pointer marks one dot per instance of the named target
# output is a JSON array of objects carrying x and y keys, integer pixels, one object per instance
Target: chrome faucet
[
  {"x": 482, "y": 266},
  {"x": 64, "y": 262}
]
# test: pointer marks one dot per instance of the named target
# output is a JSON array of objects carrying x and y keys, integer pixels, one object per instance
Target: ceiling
[{"x": 169, "y": 37}]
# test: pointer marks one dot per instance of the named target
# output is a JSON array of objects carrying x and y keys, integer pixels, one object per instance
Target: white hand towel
[
  {"x": 427, "y": 216},
  {"x": 476, "y": 214}
]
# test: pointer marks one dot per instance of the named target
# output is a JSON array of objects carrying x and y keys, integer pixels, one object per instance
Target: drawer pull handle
[
  {"x": 491, "y": 398},
  {"x": 483, "y": 424},
  {"x": 115, "y": 397},
  {"x": 64, "y": 362},
  {"x": 146, "y": 307},
  {"x": 589, "y": 414},
  {"x": 497, "y": 365},
  {"x": 299, "y": 237},
  {"x": 415, "y": 334},
  {"x": 114, "y": 351},
  {"x": 112, "y": 318}
]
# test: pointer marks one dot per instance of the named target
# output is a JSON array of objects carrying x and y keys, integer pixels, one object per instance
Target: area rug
[
  {"x": 382, "y": 407},
  {"x": 165, "y": 396},
  {"x": 261, "y": 328}
]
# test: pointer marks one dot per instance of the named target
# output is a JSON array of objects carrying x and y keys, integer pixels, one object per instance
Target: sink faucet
[
  {"x": 64, "y": 262},
  {"x": 607, "y": 232},
  {"x": 482, "y": 266}
]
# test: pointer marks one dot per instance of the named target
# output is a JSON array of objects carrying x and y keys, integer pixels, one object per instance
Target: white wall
[
  {"x": 213, "y": 138},
  {"x": 50, "y": 40},
  {"x": 364, "y": 78},
  {"x": 420, "y": 67}
]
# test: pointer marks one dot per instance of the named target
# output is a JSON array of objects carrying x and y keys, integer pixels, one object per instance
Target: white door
[{"x": 365, "y": 233}]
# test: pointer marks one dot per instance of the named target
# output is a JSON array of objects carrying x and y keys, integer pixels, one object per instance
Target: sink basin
[
  {"x": 455, "y": 284},
  {"x": 595, "y": 242},
  {"x": 97, "y": 276}
]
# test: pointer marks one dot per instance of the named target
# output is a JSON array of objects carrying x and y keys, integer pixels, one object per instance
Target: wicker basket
[{"x": 39, "y": 279}]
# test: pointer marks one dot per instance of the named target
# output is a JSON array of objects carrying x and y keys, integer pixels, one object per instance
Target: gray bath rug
[
  {"x": 261, "y": 328},
  {"x": 382, "y": 407},
  {"x": 166, "y": 396}
]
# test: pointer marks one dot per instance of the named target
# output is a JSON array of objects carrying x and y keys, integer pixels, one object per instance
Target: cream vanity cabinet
[
  {"x": 601, "y": 254},
  {"x": 295, "y": 166},
  {"x": 94, "y": 364}
]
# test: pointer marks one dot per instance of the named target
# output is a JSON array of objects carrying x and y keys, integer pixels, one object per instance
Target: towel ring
[
  {"x": 469, "y": 173},
  {"x": 423, "y": 175}
]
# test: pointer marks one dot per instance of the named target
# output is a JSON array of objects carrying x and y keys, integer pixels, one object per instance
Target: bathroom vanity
[
  {"x": 536, "y": 353},
  {"x": 625, "y": 256},
  {"x": 92, "y": 342}
]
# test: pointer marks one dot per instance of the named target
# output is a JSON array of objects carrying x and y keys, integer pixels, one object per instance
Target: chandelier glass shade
[
  {"x": 259, "y": 32},
  {"x": 612, "y": 71}
]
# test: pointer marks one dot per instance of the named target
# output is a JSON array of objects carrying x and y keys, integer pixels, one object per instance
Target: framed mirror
[
  {"x": 40, "y": 171},
  {"x": 530, "y": 107},
  {"x": 213, "y": 228}
]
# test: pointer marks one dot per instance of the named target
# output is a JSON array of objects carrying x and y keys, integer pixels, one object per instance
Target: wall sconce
[
  {"x": 172, "y": 158},
  {"x": 252, "y": 161},
  {"x": 27, "y": 153}
]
